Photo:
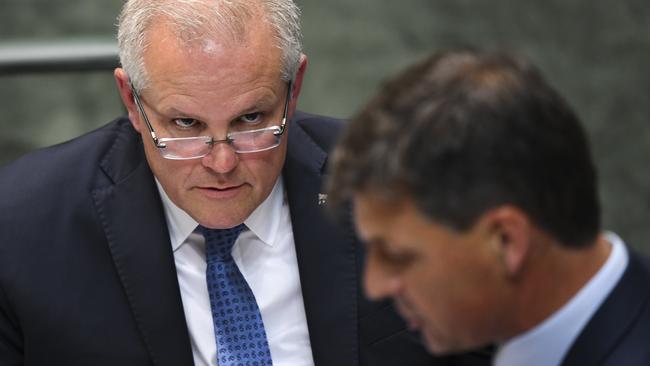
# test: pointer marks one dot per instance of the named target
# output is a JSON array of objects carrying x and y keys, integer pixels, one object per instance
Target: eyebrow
[
  {"x": 159, "y": 112},
  {"x": 260, "y": 104},
  {"x": 263, "y": 103}
]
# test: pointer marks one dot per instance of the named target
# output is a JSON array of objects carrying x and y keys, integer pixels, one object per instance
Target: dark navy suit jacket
[
  {"x": 87, "y": 273},
  {"x": 619, "y": 331}
]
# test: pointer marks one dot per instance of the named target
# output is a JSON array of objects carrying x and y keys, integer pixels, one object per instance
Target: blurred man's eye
[{"x": 397, "y": 258}]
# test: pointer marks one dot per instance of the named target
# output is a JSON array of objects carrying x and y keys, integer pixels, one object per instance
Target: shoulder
[
  {"x": 644, "y": 261},
  {"x": 56, "y": 172},
  {"x": 629, "y": 301},
  {"x": 323, "y": 130},
  {"x": 620, "y": 329},
  {"x": 637, "y": 273}
]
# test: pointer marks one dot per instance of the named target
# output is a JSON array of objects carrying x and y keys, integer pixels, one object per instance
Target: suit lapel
[
  {"x": 326, "y": 257},
  {"x": 613, "y": 319},
  {"x": 132, "y": 217}
]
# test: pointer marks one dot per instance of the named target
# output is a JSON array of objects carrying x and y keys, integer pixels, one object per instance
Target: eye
[
  {"x": 252, "y": 118},
  {"x": 185, "y": 123},
  {"x": 396, "y": 258}
]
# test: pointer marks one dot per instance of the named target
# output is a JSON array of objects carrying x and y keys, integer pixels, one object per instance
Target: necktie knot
[{"x": 219, "y": 242}]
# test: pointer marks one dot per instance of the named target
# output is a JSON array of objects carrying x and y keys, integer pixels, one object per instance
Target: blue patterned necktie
[{"x": 238, "y": 327}]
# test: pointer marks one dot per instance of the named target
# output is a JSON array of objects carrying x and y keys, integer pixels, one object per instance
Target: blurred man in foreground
[{"x": 475, "y": 191}]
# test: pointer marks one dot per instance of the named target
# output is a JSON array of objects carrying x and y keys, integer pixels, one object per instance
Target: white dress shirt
[
  {"x": 548, "y": 343},
  {"x": 266, "y": 256}
]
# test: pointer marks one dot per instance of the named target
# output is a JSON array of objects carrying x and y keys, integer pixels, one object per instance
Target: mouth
[
  {"x": 413, "y": 321},
  {"x": 220, "y": 192}
]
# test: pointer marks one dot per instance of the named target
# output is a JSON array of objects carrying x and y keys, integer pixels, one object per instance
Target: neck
[{"x": 554, "y": 275}]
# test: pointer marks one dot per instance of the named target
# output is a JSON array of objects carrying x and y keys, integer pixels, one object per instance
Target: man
[
  {"x": 475, "y": 192},
  {"x": 191, "y": 232}
]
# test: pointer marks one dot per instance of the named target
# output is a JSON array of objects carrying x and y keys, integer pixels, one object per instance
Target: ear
[
  {"x": 510, "y": 235},
  {"x": 297, "y": 84},
  {"x": 124, "y": 88}
]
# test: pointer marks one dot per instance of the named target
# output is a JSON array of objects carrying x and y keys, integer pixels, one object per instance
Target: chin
[
  {"x": 436, "y": 348},
  {"x": 225, "y": 223},
  {"x": 447, "y": 346},
  {"x": 222, "y": 215},
  {"x": 440, "y": 345}
]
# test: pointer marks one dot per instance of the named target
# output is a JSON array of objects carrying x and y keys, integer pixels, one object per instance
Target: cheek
[
  {"x": 453, "y": 295},
  {"x": 438, "y": 289},
  {"x": 172, "y": 175},
  {"x": 425, "y": 290},
  {"x": 451, "y": 292},
  {"x": 261, "y": 170}
]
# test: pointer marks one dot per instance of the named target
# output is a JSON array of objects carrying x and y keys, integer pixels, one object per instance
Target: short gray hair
[{"x": 198, "y": 19}]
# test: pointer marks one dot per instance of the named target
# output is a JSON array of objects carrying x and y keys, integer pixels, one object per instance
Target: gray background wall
[{"x": 596, "y": 52}]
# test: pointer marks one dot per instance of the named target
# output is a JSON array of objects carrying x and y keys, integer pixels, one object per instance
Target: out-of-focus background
[{"x": 596, "y": 52}]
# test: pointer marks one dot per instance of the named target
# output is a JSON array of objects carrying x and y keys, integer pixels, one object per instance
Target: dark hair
[{"x": 465, "y": 131}]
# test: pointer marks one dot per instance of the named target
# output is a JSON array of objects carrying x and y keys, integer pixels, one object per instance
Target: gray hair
[{"x": 197, "y": 19}]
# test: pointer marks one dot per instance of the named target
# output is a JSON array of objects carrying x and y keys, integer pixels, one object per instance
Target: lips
[
  {"x": 405, "y": 310},
  {"x": 222, "y": 188},
  {"x": 220, "y": 192},
  {"x": 413, "y": 322}
]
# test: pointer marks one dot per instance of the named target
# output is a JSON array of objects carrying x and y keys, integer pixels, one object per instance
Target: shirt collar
[
  {"x": 264, "y": 221},
  {"x": 548, "y": 342}
]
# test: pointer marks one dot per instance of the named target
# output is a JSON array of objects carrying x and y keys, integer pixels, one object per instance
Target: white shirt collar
[
  {"x": 548, "y": 342},
  {"x": 264, "y": 221}
]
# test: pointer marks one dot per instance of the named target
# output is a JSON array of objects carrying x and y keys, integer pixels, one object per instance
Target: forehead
[
  {"x": 212, "y": 61},
  {"x": 372, "y": 210},
  {"x": 399, "y": 222},
  {"x": 380, "y": 218}
]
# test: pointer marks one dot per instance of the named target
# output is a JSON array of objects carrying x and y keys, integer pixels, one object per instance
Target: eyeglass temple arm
[
  {"x": 138, "y": 103},
  {"x": 286, "y": 107}
]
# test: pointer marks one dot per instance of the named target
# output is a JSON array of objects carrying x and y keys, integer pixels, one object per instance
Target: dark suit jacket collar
[
  {"x": 614, "y": 318},
  {"x": 326, "y": 256},
  {"x": 131, "y": 214}
]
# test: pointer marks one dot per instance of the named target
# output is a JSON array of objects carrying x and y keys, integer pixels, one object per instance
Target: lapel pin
[{"x": 322, "y": 199}]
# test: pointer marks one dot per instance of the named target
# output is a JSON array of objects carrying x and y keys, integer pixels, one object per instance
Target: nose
[
  {"x": 222, "y": 158},
  {"x": 379, "y": 282}
]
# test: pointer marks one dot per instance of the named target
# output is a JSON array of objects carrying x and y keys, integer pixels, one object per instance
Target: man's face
[
  {"x": 444, "y": 283},
  {"x": 208, "y": 89}
]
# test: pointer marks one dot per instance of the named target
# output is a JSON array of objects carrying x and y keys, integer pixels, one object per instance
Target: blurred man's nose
[{"x": 379, "y": 282}]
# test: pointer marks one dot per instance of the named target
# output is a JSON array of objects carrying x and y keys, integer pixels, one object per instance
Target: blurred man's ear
[
  {"x": 297, "y": 84},
  {"x": 510, "y": 233},
  {"x": 124, "y": 88}
]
